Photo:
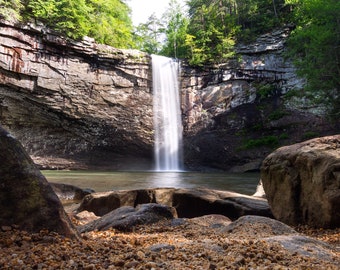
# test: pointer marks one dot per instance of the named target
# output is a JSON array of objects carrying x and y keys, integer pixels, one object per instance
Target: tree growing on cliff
[
  {"x": 10, "y": 10},
  {"x": 315, "y": 46},
  {"x": 148, "y": 35},
  {"x": 176, "y": 31},
  {"x": 107, "y": 21}
]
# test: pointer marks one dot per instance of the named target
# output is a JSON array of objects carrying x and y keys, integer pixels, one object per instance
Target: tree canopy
[
  {"x": 315, "y": 47},
  {"x": 108, "y": 21}
]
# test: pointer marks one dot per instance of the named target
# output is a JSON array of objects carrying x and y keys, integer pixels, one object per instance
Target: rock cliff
[
  {"x": 82, "y": 105},
  {"x": 237, "y": 113},
  {"x": 74, "y": 104}
]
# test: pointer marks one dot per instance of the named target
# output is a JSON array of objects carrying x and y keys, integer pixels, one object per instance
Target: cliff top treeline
[{"x": 205, "y": 32}]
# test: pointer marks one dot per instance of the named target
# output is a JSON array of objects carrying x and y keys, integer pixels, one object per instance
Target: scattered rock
[
  {"x": 302, "y": 182},
  {"x": 85, "y": 217},
  {"x": 159, "y": 247}
]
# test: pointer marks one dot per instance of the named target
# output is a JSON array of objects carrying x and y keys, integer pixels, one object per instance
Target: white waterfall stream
[{"x": 167, "y": 114}]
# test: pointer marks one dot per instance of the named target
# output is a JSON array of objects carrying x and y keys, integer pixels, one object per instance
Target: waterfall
[{"x": 167, "y": 114}]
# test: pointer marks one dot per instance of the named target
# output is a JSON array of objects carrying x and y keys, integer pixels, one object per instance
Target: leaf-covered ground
[{"x": 187, "y": 245}]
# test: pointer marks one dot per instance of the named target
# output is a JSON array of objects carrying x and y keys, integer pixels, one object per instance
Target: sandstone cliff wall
[
  {"x": 77, "y": 101},
  {"x": 81, "y": 104},
  {"x": 237, "y": 113}
]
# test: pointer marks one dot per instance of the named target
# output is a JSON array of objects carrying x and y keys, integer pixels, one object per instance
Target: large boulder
[
  {"x": 26, "y": 198},
  {"x": 302, "y": 182}
]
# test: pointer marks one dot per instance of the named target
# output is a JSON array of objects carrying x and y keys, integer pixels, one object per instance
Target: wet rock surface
[{"x": 75, "y": 104}]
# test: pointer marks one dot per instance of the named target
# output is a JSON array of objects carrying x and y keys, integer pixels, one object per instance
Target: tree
[
  {"x": 111, "y": 23},
  {"x": 211, "y": 31},
  {"x": 10, "y": 10},
  {"x": 175, "y": 32},
  {"x": 315, "y": 46},
  {"x": 107, "y": 21},
  {"x": 148, "y": 36}
]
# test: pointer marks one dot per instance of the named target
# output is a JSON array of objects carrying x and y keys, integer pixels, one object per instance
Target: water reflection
[{"x": 104, "y": 181}]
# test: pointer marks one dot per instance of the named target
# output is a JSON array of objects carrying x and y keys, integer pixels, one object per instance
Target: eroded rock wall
[
  {"x": 74, "y": 103},
  {"x": 237, "y": 113}
]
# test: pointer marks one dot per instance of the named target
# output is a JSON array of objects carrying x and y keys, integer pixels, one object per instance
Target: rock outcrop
[
  {"x": 302, "y": 182},
  {"x": 188, "y": 203},
  {"x": 26, "y": 198}
]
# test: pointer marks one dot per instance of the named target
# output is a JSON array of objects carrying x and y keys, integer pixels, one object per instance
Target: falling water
[{"x": 167, "y": 114}]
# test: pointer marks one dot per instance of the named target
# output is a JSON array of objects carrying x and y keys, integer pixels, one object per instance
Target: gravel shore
[{"x": 185, "y": 244}]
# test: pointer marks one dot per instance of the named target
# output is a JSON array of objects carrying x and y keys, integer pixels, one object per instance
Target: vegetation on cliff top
[{"x": 206, "y": 33}]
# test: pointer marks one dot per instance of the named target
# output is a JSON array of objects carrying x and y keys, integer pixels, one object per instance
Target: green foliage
[
  {"x": 259, "y": 16},
  {"x": 310, "y": 135},
  {"x": 175, "y": 31},
  {"x": 314, "y": 45},
  {"x": 147, "y": 35},
  {"x": 107, "y": 21},
  {"x": 276, "y": 115},
  {"x": 211, "y": 31},
  {"x": 265, "y": 90},
  {"x": 110, "y": 23},
  {"x": 270, "y": 141},
  {"x": 10, "y": 10}
]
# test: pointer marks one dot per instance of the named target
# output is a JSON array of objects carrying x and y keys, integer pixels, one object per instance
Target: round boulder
[{"x": 302, "y": 182}]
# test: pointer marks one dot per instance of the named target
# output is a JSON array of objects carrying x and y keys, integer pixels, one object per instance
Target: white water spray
[{"x": 167, "y": 114}]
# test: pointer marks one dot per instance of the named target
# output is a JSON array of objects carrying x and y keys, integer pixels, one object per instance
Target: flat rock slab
[
  {"x": 189, "y": 203},
  {"x": 127, "y": 217},
  {"x": 259, "y": 226}
]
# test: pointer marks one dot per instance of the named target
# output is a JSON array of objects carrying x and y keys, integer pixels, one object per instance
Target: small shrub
[
  {"x": 310, "y": 135},
  {"x": 264, "y": 141},
  {"x": 276, "y": 115}
]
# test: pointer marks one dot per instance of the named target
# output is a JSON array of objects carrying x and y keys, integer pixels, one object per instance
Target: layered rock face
[
  {"x": 85, "y": 105},
  {"x": 239, "y": 112},
  {"x": 74, "y": 104},
  {"x": 302, "y": 182}
]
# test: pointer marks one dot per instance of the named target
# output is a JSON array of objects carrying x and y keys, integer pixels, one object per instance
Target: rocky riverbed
[{"x": 207, "y": 242}]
